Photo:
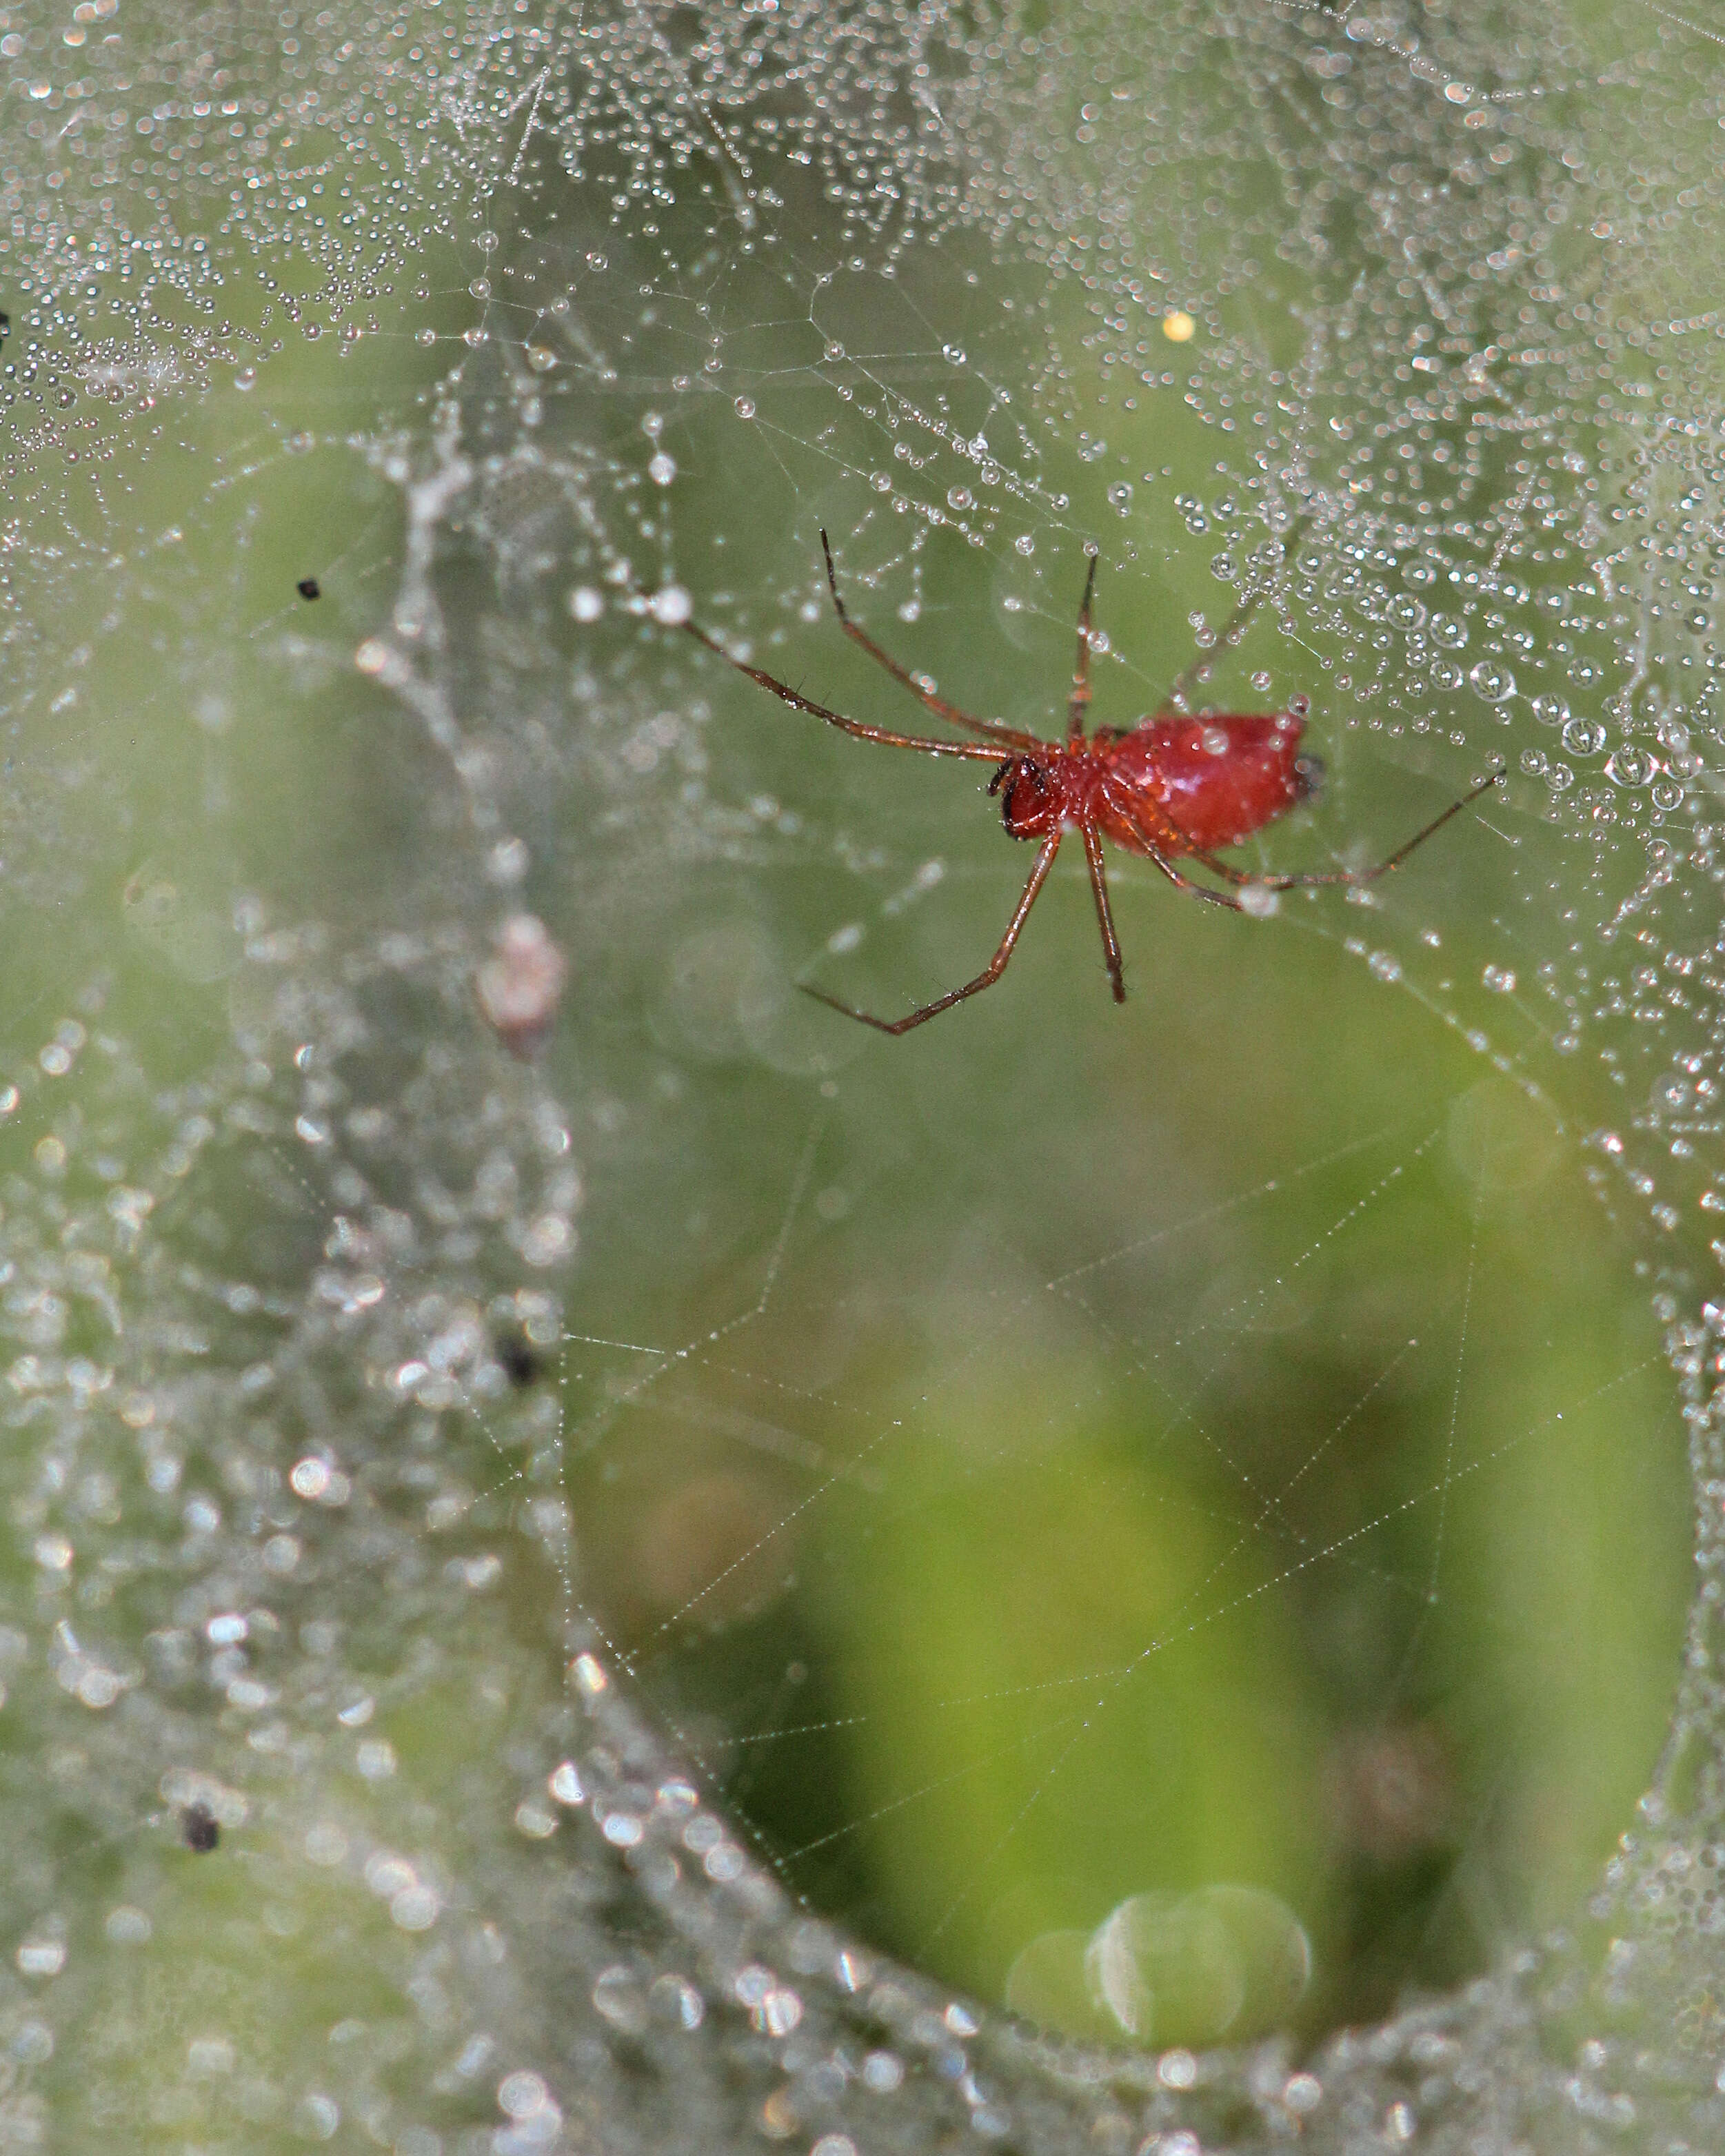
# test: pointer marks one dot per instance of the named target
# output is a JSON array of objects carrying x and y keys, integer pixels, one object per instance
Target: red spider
[{"x": 1170, "y": 787}]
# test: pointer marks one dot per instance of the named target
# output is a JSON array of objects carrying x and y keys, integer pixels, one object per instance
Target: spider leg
[
  {"x": 972, "y": 750},
  {"x": 986, "y": 979},
  {"x": 1079, "y": 702},
  {"x": 1228, "y": 635},
  {"x": 1187, "y": 883},
  {"x": 1104, "y": 912},
  {"x": 902, "y": 674},
  {"x": 1312, "y": 879}
]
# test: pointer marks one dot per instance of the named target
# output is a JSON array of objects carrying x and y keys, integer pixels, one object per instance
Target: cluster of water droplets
[{"x": 1416, "y": 316}]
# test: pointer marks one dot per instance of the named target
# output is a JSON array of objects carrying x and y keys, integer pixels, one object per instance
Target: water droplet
[
  {"x": 523, "y": 2095},
  {"x": 1584, "y": 736},
  {"x": 1629, "y": 767},
  {"x": 663, "y": 469},
  {"x": 1166, "y": 1970},
  {"x": 1499, "y": 978},
  {"x": 1119, "y": 496},
  {"x": 621, "y": 2000},
  {"x": 1024, "y": 543},
  {"x": 1302, "y": 2092},
  {"x": 744, "y": 406},
  {"x": 310, "y": 1477},
  {"x": 959, "y": 498},
  {"x": 1491, "y": 679},
  {"x": 1550, "y": 711}
]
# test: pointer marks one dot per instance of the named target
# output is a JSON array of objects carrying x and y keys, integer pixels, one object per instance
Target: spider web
[{"x": 680, "y": 1558}]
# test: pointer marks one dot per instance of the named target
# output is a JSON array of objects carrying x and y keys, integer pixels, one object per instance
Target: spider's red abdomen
[
  {"x": 1193, "y": 785},
  {"x": 1173, "y": 786}
]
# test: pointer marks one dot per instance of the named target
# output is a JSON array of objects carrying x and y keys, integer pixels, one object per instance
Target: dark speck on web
[
  {"x": 515, "y": 1353},
  {"x": 198, "y": 1830},
  {"x": 308, "y": 588}
]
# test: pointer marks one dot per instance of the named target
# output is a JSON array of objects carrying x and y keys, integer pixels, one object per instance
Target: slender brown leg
[
  {"x": 1078, "y": 703},
  {"x": 972, "y": 750},
  {"x": 1105, "y": 911},
  {"x": 1229, "y": 634},
  {"x": 1186, "y": 882},
  {"x": 938, "y": 704},
  {"x": 1312, "y": 879},
  {"x": 986, "y": 979}
]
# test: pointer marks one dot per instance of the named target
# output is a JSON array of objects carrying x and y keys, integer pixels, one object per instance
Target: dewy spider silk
[{"x": 587, "y": 1563}]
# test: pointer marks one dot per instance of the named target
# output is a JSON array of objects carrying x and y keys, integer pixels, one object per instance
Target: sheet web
[{"x": 688, "y": 1565}]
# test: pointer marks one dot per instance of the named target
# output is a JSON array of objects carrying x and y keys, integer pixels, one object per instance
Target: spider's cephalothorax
[{"x": 1172, "y": 787}]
